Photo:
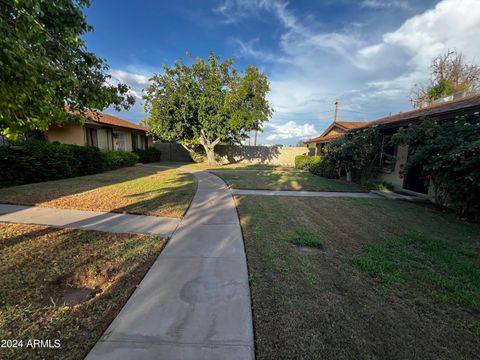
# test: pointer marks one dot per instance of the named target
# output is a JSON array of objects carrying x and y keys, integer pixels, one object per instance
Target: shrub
[
  {"x": 449, "y": 154},
  {"x": 315, "y": 160},
  {"x": 325, "y": 169},
  {"x": 36, "y": 161},
  {"x": 302, "y": 162},
  {"x": 355, "y": 153},
  {"x": 148, "y": 156},
  {"x": 117, "y": 159},
  {"x": 381, "y": 186}
]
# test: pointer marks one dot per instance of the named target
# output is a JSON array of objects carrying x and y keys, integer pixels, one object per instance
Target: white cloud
[
  {"x": 289, "y": 130},
  {"x": 312, "y": 66},
  {"x": 452, "y": 24},
  {"x": 381, "y": 4},
  {"x": 137, "y": 80}
]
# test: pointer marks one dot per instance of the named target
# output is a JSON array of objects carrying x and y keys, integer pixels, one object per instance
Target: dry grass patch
[
  {"x": 136, "y": 190},
  {"x": 66, "y": 284}
]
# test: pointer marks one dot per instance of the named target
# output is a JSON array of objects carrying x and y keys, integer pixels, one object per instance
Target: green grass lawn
[
  {"x": 383, "y": 279},
  {"x": 66, "y": 284},
  {"x": 135, "y": 190},
  {"x": 284, "y": 180}
]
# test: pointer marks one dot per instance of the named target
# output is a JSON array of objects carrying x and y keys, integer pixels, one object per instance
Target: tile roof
[
  {"x": 351, "y": 124},
  {"x": 442, "y": 108},
  {"x": 113, "y": 120},
  {"x": 345, "y": 125},
  {"x": 321, "y": 139},
  {"x": 438, "y": 109}
]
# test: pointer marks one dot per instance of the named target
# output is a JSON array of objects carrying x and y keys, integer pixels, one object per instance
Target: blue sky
[{"x": 368, "y": 53}]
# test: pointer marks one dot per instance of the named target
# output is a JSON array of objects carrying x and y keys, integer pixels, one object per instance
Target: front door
[{"x": 415, "y": 181}]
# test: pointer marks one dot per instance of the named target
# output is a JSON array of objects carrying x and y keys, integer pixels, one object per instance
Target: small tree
[
  {"x": 206, "y": 103},
  {"x": 44, "y": 66},
  {"x": 450, "y": 73}
]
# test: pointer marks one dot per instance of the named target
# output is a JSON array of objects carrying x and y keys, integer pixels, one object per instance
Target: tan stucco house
[
  {"x": 396, "y": 174},
  {"x": 104, "y": 131}
]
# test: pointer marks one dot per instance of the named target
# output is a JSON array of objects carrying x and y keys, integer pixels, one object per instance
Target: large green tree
[
  {"x": 207, "y": 103},
  {"x": 47, "y": 75}
]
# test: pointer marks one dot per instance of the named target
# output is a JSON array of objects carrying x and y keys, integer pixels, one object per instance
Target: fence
[{"x": 229, "y": 154}]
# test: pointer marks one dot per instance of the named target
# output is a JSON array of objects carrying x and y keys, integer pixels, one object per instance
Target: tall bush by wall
[
  {"x": 37, "y": 161},
  {"x": 355, "y": 153},
  {"x": 448, "y": 151}
]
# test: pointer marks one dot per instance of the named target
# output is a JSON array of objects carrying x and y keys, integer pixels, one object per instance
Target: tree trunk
[
  {"x": 210, "y": 155},
  {"x": 209, "y": 147}
]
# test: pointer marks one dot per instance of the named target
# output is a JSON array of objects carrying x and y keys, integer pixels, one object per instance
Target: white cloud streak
[{"x": 311, "y": 66}]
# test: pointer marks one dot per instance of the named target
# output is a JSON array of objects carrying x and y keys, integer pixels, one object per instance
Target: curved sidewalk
[{"x": 194, "y": 302}]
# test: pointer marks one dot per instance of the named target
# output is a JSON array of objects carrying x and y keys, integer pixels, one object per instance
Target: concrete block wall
[
  {"x": 227, "y": 154},
  {"x": 270, "y": 155}
]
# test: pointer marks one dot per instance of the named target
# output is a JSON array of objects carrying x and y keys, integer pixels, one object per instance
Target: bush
[
  {"x": 355, "y": 153},
  {"x": 148, "y": 156},
  {"x": 36, "y": 161},
  {"x": 304, "y": 162},
  {"x": 117, "y": 159},
  {"x": 315, "y": 160},
  {"x": 448, "y": 153},
  {"x": 381, "y": 186},
  {"x": 324, "y": 168}
]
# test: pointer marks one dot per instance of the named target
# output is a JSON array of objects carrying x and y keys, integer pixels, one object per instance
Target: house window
[
  {"x": 91, "y": 137},
  {"x": 121, "y": 142},
  {"x": 389, "y": 153},
  {"x": 139, "y": 141},
  {"x": 134, "y": 142}
]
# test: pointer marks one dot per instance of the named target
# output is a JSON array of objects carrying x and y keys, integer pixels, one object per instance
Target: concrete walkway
[
  {"x": 194, "y": 302},
  {"x": 88, "y": 220},
  {"x": 306, "y": 193}
]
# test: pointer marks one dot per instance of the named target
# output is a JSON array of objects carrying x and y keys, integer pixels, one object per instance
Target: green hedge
[
  {"x": 118, "y": 159},
  {"x": 305, "y": 162},
  {"x": 148, "y": 156},
  {"x": 301, "y": 162},
  {"x": 324, "y": 169},
  {"x": 37, "y": 161}
]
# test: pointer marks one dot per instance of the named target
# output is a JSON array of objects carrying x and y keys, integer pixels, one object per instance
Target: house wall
[
  {"x": 68, "y": 133},
  {"x": 74, "y": 134},
  {"x": 335, "y": 131},
  {"x": 397, "y": 176}
]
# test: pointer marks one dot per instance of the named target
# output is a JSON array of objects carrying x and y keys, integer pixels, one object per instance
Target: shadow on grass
[
  {"x": 51, "y": 190},
  {"x": 113, "y": 193}
]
